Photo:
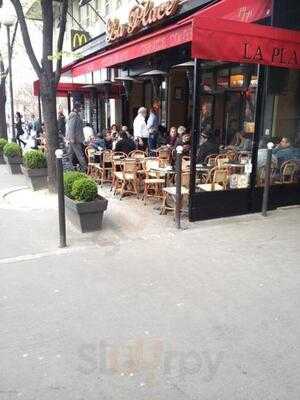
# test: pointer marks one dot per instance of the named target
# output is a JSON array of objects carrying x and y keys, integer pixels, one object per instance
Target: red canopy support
[{"x": 219, "y": 39}]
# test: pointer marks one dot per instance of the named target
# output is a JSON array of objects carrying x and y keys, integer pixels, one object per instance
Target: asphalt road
[{"x": 209, "y": 313}]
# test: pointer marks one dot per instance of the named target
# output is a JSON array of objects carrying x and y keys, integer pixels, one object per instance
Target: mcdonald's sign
[{"x": 78, "y": 38}]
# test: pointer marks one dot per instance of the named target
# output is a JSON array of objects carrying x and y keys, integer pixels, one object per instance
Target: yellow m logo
[{"x": 79, "y": 39}]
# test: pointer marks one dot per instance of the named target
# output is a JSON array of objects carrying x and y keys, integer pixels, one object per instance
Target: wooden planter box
[
  {"x": 36, "y": 178},
  {"x": 14, "y": 164},
  {"x": 87, "y": 217}
]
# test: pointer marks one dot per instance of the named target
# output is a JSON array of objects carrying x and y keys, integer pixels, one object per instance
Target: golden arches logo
[{"x": 78, "y": 40}]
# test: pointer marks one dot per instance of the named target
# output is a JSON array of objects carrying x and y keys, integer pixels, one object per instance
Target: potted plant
[
  {"x": 84, "y": 207},
  {"x": 35, "y": 169},
  {"x": 13, "y": 157},
  {"x": 3, "y": 142}
]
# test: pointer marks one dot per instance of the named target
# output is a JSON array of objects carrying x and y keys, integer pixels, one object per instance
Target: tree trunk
[
  {"x": 3, "y": 125},
  {"x": 48, "y": 98}
]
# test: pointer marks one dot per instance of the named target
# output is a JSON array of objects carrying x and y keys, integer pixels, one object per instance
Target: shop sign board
[
  {"x": 78, "y": 38},
  {"x": 141, "y": 16}
]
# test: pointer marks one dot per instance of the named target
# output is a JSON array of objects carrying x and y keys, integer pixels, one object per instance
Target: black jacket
[
  {"x": 206, "y": 149},
  {"x": 125, "y": 145}
]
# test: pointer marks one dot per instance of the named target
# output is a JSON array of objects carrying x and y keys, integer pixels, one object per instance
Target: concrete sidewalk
[{"x": 210, "y": 312}]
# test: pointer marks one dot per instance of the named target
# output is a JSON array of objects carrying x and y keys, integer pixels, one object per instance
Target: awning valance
[{"x": 219, "y": 39}]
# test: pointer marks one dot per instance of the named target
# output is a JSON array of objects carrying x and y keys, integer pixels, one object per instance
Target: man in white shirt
[{"x": 140, "y": 129}]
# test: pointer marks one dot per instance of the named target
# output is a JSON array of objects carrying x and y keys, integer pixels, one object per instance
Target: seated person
[
  {"x": 161, "y": 136},
  {"x": 208, "y": 146},
  {"x": 98, "y": 141},
  {"x": 246, "y": 142},
  {"x": 140, "y": 144},
  {"x": 284, "y": 151},
  {"x": 152, "y": 140},
  {"x": 125, "y": 144},
  {"x": 108, "y": 140},
  {"x": 171, "y": 140},
  {"x": 88, "y": 132}
]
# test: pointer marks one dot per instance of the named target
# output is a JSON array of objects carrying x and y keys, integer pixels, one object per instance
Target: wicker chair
[
  {"x": 153, "y": 184},
  {"x": 104, "y": 169},
  {"x": 137, "y": 154},
  {"x": 186, "y": 161},
  {"x": 91, "y": 168},
  {"x": 169, "y": 195},
  {"x": 222, "y": 159},
  {"x": 117, "y": 166},
  {"x": 164, "y": 156},
  {"x": 288, "y": 171},
  {"x": 217, "y": 176},
  {"x": 211, "y": 160},
  {"x": 126, "y": 180}
]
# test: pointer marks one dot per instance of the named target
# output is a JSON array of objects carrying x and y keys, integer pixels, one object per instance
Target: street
[{"x": 210, "y": 312}]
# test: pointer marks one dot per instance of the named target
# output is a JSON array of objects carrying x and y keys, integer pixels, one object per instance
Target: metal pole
[
  {"x": 267, "y": 180},
  {"x": 61, "y": 198},
  {"x": 40, "y": 109},
  {"x": 9, "y": 49},
  {"x": 179, "y": 150}
]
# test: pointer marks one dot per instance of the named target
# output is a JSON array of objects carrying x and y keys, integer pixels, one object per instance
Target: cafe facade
[{"x": 231, "y": 66}]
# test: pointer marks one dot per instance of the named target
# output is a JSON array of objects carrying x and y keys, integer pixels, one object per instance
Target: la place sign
[{"x": 140, "y": 16}]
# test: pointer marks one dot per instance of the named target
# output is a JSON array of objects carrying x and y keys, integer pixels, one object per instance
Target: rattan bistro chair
[
  {"x": 169, "y": 194},
  {"x": 126, "y": 180},
  {"x": 288, "y": 171},
  {"x": 137, "y": 154},
  {"x": 91, "y": 165},
  {"x": 217, "y": 176},
  {"x": 153, "y": 183},
  {"x": 104, "y": 169}
]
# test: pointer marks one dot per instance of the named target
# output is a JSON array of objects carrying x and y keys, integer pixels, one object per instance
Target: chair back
[
  {"x": 164, "y": 156},
  {"x": 107, "y": 156},
  {"x": 222, "y": 159},
  {"x": 211, "y": 160},
  {"x": 218, "y": 175},
  {"x": 89, "y": 152},
  {"x": 186, "y": 161},
  {"x": 287, "y": 171},
  {"x": 231, "y": 154},
  {"x": 137, "y": 154},
  {"x": 151, "y": 162},
  {"x": 118, "y": 155},
  {"x": 185, "y": 179},
  {"x": 130, "y": 166}
]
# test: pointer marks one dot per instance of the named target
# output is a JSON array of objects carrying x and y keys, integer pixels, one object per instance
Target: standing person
[
  {"x": 140, "y": 129},
  {"x": 153, "y": 124},
  {"x": 153, "y": 119},
  {"x": 19, "y": 129},
  {"x": 61, "y": 123},
  {"x": 75, "y": 136}
]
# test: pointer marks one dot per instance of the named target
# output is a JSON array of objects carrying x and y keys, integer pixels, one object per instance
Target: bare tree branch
[
  {"x": 60, "y": 40},
  {"x": 25, "y": 34}
]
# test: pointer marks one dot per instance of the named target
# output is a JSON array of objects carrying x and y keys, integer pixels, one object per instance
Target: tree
[
  {"x": 48, "y": 77},
  {"x": 3, "y": 75}
]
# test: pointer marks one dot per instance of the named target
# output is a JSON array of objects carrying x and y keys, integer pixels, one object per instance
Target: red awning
[
  {"x": 218, "y": 39},
  {"x": 240, "y": 10},
  {"x": 174, "y": 35},
  {"x": 165, "y": 38},
  {"x": 64, "y": 88}
]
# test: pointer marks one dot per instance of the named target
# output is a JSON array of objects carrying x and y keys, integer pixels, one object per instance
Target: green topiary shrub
[
  {"x": 69, "y": 178},
  {"x": 84, "y": 189},
  {"x": 3, "y": 142},
  {"x": 35, "y": 159},
  {"x": 12, "y": 150}
]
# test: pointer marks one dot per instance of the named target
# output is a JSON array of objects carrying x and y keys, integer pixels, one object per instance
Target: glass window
[
  {"x": 107, "y": 7},
  {"x": 227, "y": 118},
  {"x": 223, "y": 78},
  {"x": 208, "y": 82},
  {"x": 282, "y": 127}
]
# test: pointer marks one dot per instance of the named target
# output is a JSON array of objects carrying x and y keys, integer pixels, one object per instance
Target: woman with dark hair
[{"x": 19, "y": 129}]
